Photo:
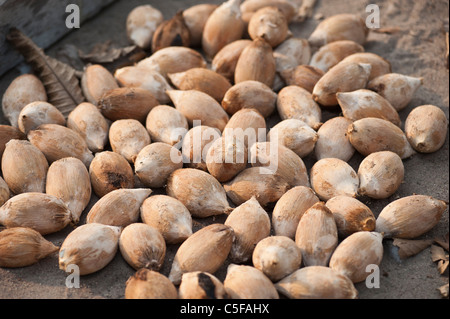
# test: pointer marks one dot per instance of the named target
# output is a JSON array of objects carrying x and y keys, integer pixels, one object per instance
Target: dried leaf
[
  {"x": 111, "y": 57},
  {"x": 411, "y": 247},
  {"x": 437, "y": 253},
  {"x": 443, "y": 242},
  {"x": 444, "y": 291},
  {"x": 59, "y": 79}
]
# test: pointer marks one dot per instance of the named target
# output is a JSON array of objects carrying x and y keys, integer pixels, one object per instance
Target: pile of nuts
[{"x": 174, "y": 121}]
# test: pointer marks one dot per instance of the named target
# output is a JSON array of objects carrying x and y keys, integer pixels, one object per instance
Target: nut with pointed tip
[
  {"x": 37, "y": 113},
  {"x": 96, "y": 81},
  {"x": 256, "y": 63},
  {"x": 343, "y": 26},
  {"x": 87, "y": 120},
  {"x": 167, "y": 214},
  {"x": 142, "y": 246},
  {"x": 128, "y": 137},
  {"x": 410, "y": 217},
  {"x": 355, "y": 253},
  {"x": 350, "y": 215},
  {"x": 196, "y": 105},
  {"x": 260, "y": 182},
  {"x": 380, "y": 174},
  {"x": 119, "y": 207},
  {"x": 277, "y": 257},
  {"x": 24, "y": 167},
  {"x": 370, "y": 134},
  {"x": 333, "y": 141},
  {"x": 205, "y": 250},
  {"x": 166, "y": 124},
  {"x": 270, "y": 24},
  {"x": 317, "y": 282},
  {"x": 379, "y": 65},
  {"x": 250, "y": 94},
  {"x": 200, "y": 192},
  {"x": 141, "y": 24},
  {"x": 57, "y": 141},
  {"x": 155, "y": 162},
  {"x": 250, "y": 223},
  {"x": 426, "y": 128},
  {"x": 23, "y": 246},
  {"x": 44, "y": 213},
  {"x": 172, "y": 60},
  {"x": 248, "y": 282},
  {"x": 172, "y": 32},
  {"x": 110, "y": 171},
  {"x": 23, "y": 90},
  {"x": 317, "y": 235},
  {"x": 331, "y": 177},
  {"x": 250, "y": 7},
  {"x": 203, "y": 80},
  {"x": 4, "y": 191},
  {"x": 290, "y": 208},
  {"x": 195, "y": 18},
  {"x": 7, "y": 133},
  {"x": 201, "y": 285},
  {"x": 281, "y": 160},
  {"x": 295, "y": 135},
  {"x": 332, "y": 53},
  {"x": 224, "y": 25},
  {"x": 138, "y": 78},
  {"x": 225, "y": 60},
  {"x": 69, "y": 180},
  {"x": 363, "y": 103},
  {"x": 294, "y": 102},
  {"x": 343, "y": 77},
  {"x": 247, "y": 124},
  {"x": 398, "y": 89},
  {"x": 91, "y": 247}
]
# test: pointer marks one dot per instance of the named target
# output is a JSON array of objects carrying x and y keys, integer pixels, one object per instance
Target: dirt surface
[{"x": 417, "y": 48}]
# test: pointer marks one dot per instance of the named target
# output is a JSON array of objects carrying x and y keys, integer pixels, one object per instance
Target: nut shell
[
  {"x": 23, "y": 246},
  {"x": 270, "y": 24},
  {"x": 7, "y": 133},
  {"x": 166, "y": 124},
  {"x": 304, "y": 76},
  {"x": 196, "y": 144},
  {"x": 224, "y": 62},
  {"x": 37, "y": 113},
  {"x": 250, "y": 223},
  {"x": 205, "y": 250},
  {"x": 316, "y": 235},
  {"x": 317, "y": 282},
  {"x": 141, "y": 24},
  {"x": 426, "y": 128},
  {"x": 172, "y": 32},
  {"x": 201, "y": 285},
  {"x": 195, "y": 19},
  {"x": 90, "y": 247},
  {"x": 332, "y": 53},
  {"x": 128, "y": 137},
  {"x": 142, "y": 246},
  {"x": 96, "y": 81},
  {"x": 149, "y": 284},
  {"x": 355, "y": 253},
  {"x": 410, "y": 217},
  {"x": 379, "y": 65},
  {"x": 247, "y": 124}
]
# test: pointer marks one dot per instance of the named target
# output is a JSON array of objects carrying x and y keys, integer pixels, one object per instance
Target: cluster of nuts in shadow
[{"x": 288, "y": 232}]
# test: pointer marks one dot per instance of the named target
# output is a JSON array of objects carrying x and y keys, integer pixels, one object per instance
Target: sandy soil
[{"x": 417, "y": 49}]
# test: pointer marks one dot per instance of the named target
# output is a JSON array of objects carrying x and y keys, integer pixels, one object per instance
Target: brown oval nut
[
  {"x": 270, "y": 24},
  {"x": 195, "y": 19},
  {"x": 37, "y": 113},
  {"x": 332, "y": 140},
  {"x": 224, "y": 25},
  {"x": 166, "y": 124},
  {"x": 110, "y": 171},
  {"x": 57, "y": 141},
  {"x": 7, "y": 133},
  {"x": 337, "y": 27},
  {"x": 87, "y": 120},
  {"x": 225, "y": 60},
  {"x": 350, "y": 215},
  {"x": 201, "y": 79},
  {"x": 379, "y": 64},
  {"x": 149, "y": 284},
  {"x": 127, "y": 103},
  {"x": 128, "y": 137},
  {"x": 304, "y": 76},
  {"x": 426, "y": 128},
  {"x": 256, "y": 63},
  {"x": 141, "y": 23},
  {"x": 155, "y": 162},
  {"x": 96, "y": 81},
  {"x": 23, "y": 90},
  {"x": 332, "y": 53},
  {"x": 24, "y": 167},
  {"x": 250, "y": 94}
]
